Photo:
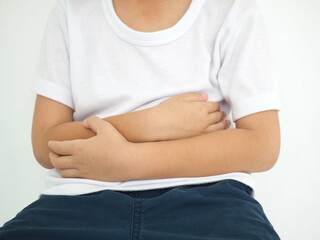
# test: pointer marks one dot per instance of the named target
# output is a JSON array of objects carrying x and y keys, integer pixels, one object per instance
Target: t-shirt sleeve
[
  {"x": 246, "y": 73},
  {"x": 52, "y": 75}
]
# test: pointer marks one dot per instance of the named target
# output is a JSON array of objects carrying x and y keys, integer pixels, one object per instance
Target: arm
[
  {"x": 185, "y": 115},
  {"x": 252, "y": 147}
]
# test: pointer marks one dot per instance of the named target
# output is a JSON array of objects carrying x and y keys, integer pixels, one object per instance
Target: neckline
[{"x": 151, "y": 38}]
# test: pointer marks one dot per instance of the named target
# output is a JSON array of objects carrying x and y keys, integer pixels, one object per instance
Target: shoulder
[
  {"x": 79, "y": 3},
  {"x": 233, "y": 7},
  {"x": 240, "y": 10},
  {"x": 76, "y": 8},
  {"x": 241, "y": 13},
  {"x": 229, "y": 13}
]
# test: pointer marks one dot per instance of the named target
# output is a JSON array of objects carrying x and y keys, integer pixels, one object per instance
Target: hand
[
  {"x": 187, "y": 115},
  {"x": 103, "y": 157}
]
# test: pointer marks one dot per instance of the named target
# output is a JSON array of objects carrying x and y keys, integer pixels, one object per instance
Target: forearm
[
  {"x": 134, "y": 126},
  {"x": 232, "y": 150}
]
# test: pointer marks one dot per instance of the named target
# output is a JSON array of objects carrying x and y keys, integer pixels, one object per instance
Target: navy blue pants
[{"x": 221, "y": 210}]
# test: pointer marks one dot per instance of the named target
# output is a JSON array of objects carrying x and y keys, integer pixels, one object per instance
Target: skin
[
  {"x": 172, "y": 141},
  {"x": 151, "y": 15}
]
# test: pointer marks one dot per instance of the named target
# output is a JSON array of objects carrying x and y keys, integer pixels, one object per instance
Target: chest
[
  {"x": 116, "y": 78},
  {"x": 110, "y": 76}
]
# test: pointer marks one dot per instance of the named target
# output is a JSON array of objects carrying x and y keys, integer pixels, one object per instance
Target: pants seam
[{"x": 136, "y": 219}]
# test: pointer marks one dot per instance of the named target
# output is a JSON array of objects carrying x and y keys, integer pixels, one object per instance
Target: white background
[{"x": 290, "y": 192}]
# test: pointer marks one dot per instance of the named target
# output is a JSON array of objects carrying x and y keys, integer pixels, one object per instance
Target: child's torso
[{"x": 116, "y": 66}]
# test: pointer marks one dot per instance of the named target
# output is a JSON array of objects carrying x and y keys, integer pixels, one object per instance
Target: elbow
[
  {"x": 41, "y": 153},
  {"x": 269, "y": 154},
  {"x": 44, "y": 162},
  {"x": 268, "y": 161},
  {"x": 264, "y": 141}
]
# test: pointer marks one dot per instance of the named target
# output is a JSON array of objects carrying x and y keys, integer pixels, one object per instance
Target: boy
[{"x": 164, "y": 162}]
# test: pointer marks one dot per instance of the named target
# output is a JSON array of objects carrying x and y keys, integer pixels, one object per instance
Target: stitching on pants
[{"x": 136, "y": 218}]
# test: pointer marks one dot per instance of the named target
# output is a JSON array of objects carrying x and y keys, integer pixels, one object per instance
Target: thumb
[{"x": 95, "y": 123}]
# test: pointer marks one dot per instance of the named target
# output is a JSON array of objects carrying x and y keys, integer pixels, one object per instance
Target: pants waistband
[{"x": 158, "y": 192}]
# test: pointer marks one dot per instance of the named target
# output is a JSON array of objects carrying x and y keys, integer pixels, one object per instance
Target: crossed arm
[{"x": 125, "y": 147}]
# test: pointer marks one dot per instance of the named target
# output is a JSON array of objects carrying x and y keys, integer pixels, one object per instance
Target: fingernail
[
  {"x": 50, "y": 144},
  {"x": 224, "y": 114}
]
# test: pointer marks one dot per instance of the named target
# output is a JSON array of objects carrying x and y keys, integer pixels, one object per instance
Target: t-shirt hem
[
  {"x": 52, "y": 91},
  {"x": 257, "y": 103},
  {"x": 73, "y": 187}
]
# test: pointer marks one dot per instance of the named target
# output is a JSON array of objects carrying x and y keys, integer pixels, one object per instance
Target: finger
[
  {"x": 212, "y": 106},
  {"x": 215, "y": 117},
  {"x": 218, "y": 126},
  {"x": 63, "y": 162},
  {"x": 61, "y": 148},
  {"x": 192, "y": 96},
  {"x": 53, "y": 155},
  {"x": 94, "y": 123},
  {"x": 69, "y": 173}
]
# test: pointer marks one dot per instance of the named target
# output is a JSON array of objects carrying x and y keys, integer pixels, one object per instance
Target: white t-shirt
[{"x": 95, "y": 64}]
